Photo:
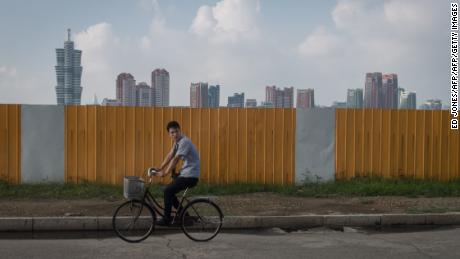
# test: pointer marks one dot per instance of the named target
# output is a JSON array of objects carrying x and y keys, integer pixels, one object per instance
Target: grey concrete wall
[
  {"x": 42, "y": 143},
  {"x": 315, "y": 145}
]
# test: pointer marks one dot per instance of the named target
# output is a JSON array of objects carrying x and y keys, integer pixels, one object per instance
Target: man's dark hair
[{"x": 172, "y": 124}]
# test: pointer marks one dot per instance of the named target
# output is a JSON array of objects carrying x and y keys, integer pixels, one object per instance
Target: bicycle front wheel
[
  {"x": 134, "y": 221},
  {"x": 201, "y": 220}
]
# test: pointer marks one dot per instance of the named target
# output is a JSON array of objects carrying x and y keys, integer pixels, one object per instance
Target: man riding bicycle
[{"x": 189, "y": 175}]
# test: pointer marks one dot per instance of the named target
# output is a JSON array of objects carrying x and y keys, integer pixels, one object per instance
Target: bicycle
[{"x": 133, "y": 221}]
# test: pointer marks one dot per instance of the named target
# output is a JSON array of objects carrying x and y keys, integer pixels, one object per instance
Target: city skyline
[
  {"x": 328, "y": 46},
  {"x": 204, "y": 95}
]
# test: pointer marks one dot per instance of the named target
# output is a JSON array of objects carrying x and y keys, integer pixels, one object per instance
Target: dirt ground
[{"x": 263, "y": 204}]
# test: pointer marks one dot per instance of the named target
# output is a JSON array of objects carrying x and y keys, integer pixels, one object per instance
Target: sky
[{"x": 242, "y": 45}]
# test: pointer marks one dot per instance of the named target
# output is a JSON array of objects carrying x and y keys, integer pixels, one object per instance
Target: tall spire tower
[{"x": 68, "y": 73}]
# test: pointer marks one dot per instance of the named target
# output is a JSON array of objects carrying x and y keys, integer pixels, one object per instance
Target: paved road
[{"x": 273, "y": 243}]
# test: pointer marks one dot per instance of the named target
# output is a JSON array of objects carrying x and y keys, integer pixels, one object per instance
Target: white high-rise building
[
  {"x": 143, "y": 94},
  {"x": 408, "y": 100},
  {"x": 160, "y": 86},
  {"x": 128, "y": 86}
]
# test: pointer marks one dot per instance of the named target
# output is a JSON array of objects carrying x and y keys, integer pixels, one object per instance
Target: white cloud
[
  {"x": 103, "y": 54},
  {"x": 410, "y": 14},
  {"x": 357, "y": 16},
  {"x": 204, "y": 22},
  {"x": 96, "y": 43},
  {"x": 6, "y": 71},
  {"x": 19, "y": 87},
  {"x": 228, "y": 20},
  {"x": 320, "y": 43},
  {"x": 149, "y": 5}
]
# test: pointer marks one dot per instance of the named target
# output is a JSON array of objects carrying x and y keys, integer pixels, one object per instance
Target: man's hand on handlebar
[{"x": 154, "y": 171}]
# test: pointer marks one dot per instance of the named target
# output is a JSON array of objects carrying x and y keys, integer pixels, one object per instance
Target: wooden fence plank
[{"x": 4, "y": 154}]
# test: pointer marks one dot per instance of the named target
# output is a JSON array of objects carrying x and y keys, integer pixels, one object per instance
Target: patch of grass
[
  {"x": 60, "y": 191},
  {"x": 90, "y": 190},
  {"x": 380, "y": 187},
  {"x": 359, "y": 187}
]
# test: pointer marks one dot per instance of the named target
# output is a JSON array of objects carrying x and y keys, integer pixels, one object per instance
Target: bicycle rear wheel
[
  {"x": 201, "y": 220},
  {"x": 134, "y": 221}
]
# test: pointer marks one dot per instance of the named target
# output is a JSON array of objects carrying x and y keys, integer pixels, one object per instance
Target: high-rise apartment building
[
  {"x": 128, "y": 88},
  {"x": 400, "y": 91},
  {"x": 160, "y": 86},
  {"x": 68, "y": 74},
  {"x": 288, "y": 97},
  {"x": 270, "y": 94},
  {"x": 143, "y": 94},
  {"x": 119, "y": 84},
  {"x": 305, "y": 98},
  {"x": 355, "y": 98},
  {"x": 199, "y": 95},
  {"x": 381, "y": 91},
  {"x": 389, "y": 93},
  {"x": 408, "y": 100},
  {"x": 280, "y": 98},
  {"x": 372, "y": 90},
  {"x": 236, "y": 101},
  {"x": 214, "y": 96}
]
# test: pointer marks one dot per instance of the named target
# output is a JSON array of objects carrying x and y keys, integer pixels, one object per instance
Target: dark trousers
[{"x": 170, "y": 199}]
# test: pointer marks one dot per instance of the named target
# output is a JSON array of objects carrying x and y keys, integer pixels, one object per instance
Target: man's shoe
[{"x": 163, "y": 222}]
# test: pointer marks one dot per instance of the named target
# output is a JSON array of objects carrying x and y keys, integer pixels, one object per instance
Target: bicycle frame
[{"x": 150, "y": 200}]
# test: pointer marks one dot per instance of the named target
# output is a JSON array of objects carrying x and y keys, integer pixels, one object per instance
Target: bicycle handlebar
[{"x": 151, "y": 171}]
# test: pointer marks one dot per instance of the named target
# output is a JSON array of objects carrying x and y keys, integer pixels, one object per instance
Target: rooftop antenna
[{"x": 68, "y": 34}]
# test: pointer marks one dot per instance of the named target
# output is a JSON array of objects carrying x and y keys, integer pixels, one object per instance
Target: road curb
[{"x": 30, "y": 224}]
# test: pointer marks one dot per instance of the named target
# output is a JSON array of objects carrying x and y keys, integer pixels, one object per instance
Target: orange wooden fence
[
  {"x": 103, "y": 143},
  {"x": 10, "y": 143},
  {"x": 396, "y": 144}
]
